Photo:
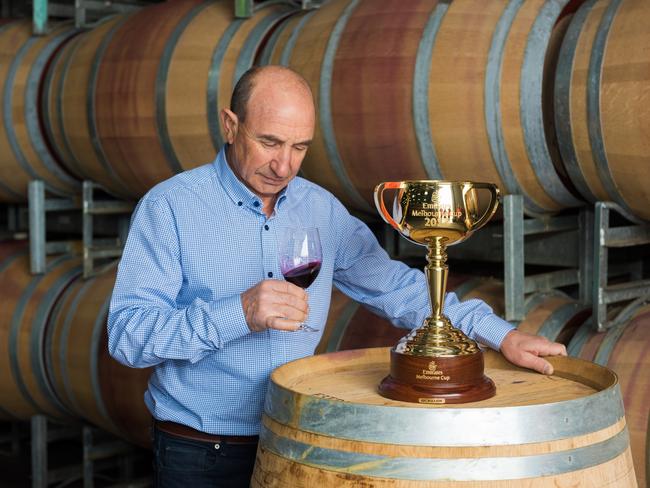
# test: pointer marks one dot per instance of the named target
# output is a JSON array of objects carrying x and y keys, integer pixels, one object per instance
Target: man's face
[{"x": 269, "y": 147}]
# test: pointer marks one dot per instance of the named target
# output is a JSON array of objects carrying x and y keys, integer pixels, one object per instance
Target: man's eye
[
  {"x": 269, "y": 143},
  {"x": 300, "y": 147}
]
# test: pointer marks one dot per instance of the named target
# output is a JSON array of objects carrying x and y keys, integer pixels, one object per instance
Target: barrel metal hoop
[
  {"x": 580, "y": 338},
  {"x": 493, "y": 122},
  {"x": 621, "y": 322},
  {"x": 563, "y": 76},
  {"x": 444, "y": 426},
  {"x": 554, "y": 324},
  {"x": 7, "y": 112},
  {"x": 421, "y": 77},
  {"x": 161, "y": 85},
  {"x": 14, "y": 330},
  {"x": 69, "y": 155},
  {"x": 90, "y": 102},
  {"x": 593, "y": 105},
  {"x": 98, "y": 330},
  {"x": 63, "y": 348},
  {"x": 32, "y": 115},
  {"x": 341, "y": 326},
  {"x": 214, "y": 74},
  {"x": 269, "y": 47},
  {"x": 462, "y": 469},
  {"x": 246, "y": 56},
  {"x": 293, "y": 38},
  {"x": 3, "y": 267},
  {"x": 327, "y": 124},
  {"x": 530, "y": 107},
  {"x": 37, "y": 337},
  {"x": 50, "y": 330}
]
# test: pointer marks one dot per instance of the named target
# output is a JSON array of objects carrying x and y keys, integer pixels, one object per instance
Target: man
[{"x": 199, "y": 293}]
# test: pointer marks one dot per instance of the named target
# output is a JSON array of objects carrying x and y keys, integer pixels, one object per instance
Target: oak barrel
[
  {"x": 427, "y": 90},
  {"x": 326, "y": 425},
  {"x": 26, "y": 303},
  {"x": 69, "y": 107},
  {"x": 24, "y": 150},
  {"x": 624, "y": 349},
  {"x": 137, "y": 100},
  {"x": 88, "y": 381},
  {"x": 603, "y": 87}
]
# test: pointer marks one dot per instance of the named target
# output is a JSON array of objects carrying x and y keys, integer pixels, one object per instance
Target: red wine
[{"x": 304, "y": 275}]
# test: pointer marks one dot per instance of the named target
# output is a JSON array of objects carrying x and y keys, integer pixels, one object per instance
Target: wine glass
[{"x": 300, "y": 258}]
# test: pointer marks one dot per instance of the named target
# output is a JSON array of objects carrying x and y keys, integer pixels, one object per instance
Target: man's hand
[
  {"x": 524, "y": 350},
  {"x": 274, "y": 304}
]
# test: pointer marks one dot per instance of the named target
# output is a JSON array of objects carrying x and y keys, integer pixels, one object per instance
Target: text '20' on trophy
[{"x": 437, "y": 363}]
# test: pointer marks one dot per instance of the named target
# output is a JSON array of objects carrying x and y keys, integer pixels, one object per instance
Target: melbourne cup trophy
[{"x": 437, "y": 363}]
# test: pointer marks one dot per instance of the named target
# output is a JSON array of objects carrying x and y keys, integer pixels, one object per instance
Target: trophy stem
[{"x": 436, "y": 273}]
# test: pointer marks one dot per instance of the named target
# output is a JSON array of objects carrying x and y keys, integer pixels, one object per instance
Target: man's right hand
[{"x": 274, "y": 304}]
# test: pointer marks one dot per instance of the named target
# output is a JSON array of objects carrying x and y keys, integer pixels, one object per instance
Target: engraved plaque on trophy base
[{"x": 437, "y": 380}]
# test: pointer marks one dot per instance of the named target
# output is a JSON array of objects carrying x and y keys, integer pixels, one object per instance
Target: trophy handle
[
  {"x": 379, "y": 201},
  {"x": 494, "y": 203}
]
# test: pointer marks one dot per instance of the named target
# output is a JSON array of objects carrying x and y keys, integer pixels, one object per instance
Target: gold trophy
[{"x": 436, "y": 363}]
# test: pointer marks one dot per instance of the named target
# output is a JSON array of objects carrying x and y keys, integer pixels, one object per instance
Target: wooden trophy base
[{"x": 437, "y": 380}]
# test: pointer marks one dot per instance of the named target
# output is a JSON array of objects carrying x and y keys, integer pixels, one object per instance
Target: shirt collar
[{"x": 239, "y": 193}]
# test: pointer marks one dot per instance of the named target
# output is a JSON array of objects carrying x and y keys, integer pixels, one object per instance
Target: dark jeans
[{"x": 184, "y": 463}]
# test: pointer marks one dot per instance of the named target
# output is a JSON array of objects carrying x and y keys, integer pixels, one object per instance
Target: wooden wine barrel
[
  {"x": 624, "y": 349},
  {"x": 68, "y": 100},
  {"x": 87, "y": 380},
  {"x": 552, "y": 314},
  {"x": 138, "y": 99},
  {"x": 24, "y": 152},
  {"x": 602, "y": 86},
  {"x": 25, "y": 305},
  {"x": 326, "y": 425},
  {"x": 405, "y": 93}
]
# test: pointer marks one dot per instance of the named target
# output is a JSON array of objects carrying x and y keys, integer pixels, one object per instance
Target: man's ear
[{"x": 230, "y": 124}]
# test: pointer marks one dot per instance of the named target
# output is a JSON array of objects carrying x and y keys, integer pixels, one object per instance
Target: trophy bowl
[{"x": 436, "y": 362}]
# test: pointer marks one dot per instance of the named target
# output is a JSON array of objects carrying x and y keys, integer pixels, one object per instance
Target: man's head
[{"x": 269, "y": 127}]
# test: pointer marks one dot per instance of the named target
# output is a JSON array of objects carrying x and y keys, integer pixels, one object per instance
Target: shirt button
[
  {"x": 217, "y": 446},
  {"x": 240, "y": 203},
  {"x": 256, "y": 203},
  {"x": 266, "y": 227},
  {"x": 270, "y": 274}
]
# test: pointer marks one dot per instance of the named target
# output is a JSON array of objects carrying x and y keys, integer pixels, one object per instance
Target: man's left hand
[{"x": 525, "y": 350}]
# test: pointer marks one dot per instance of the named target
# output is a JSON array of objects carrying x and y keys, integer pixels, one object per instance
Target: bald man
[{"x": 200, "y": 296}]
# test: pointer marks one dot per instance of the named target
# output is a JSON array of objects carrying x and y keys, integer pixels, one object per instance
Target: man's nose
[{"x": 281, "y": 164}]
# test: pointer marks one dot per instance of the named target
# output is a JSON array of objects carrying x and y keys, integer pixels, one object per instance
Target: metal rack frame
[
  {"x": 607, "y": 237},
  {"x": 39, "y": 206},
  {"x": 246, "y": 8},
  {"x": 515, "y": 228},
  {"x": 92, "y": 248},
  {"x": 43, "y": 9}
]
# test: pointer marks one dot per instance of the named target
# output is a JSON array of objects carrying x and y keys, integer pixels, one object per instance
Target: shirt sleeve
[
  {"x": 145, "y": 325},
  {"x": 365, "y": 272}
]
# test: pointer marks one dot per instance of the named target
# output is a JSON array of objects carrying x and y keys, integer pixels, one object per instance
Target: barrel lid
[{"x": 336, "y": 395}]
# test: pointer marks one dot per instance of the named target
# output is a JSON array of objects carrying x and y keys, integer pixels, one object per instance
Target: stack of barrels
[
  {"x": 547, "y": 99},
  {"x": 543, "y": 98},
  {"x": 54, "y": 349}
]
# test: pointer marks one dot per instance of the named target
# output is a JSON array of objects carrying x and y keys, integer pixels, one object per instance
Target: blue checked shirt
[{"x": 200, "y": 239}]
